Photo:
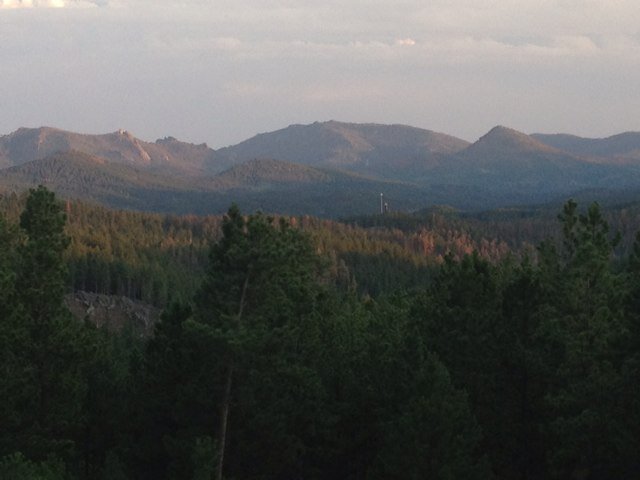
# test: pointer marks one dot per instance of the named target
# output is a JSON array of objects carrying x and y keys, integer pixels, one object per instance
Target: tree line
[
  {"x": 521, "y": 368},
  {"x": 155, "y": 258}
]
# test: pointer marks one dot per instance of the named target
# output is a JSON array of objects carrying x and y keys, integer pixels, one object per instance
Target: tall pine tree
[{"x": 47, "y": 342}]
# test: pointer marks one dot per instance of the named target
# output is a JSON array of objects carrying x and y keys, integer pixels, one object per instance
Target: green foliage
[
  {"x": 114, "y": 469},
  {"x": 586, "y": 325},
  {"x": 51, "y": 350},
  {"x": 13, "y": 336},
  {"x": 524, "y": 367},
  {"x": 44, "y": 350},
  {"x": 42, "y": 276},
  {"x": 399, "y": 415},
  {"x": 316, "y": 379},
  {"x": 8, "y": 243},
  {"x": 107, "y": 403},
  {"x": 204, "y": 458},
  {"x": 540, "y": 348},
  {"x": 153, "y": 258},
  {"x": 17, "y": 467},
  {"x": 434, "y": 435},
  {"x": 261, "y": 283},
  {"x": 257, "y": 271},
  {"x": 461, "y": 320},
  {"x": 178, "y": 391}
]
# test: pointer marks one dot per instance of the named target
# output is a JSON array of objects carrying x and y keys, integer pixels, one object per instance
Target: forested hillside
[
  {"x": 325, "y": 169},
  {"x": 156, "y": 258},
  {"x": 433, "y": 345}
]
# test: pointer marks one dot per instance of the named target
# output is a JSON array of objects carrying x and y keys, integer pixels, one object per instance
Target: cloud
[
  {"x": 156, "y": 67},
  {"x": 16, "y": 4},
  {"x": 32, "y": 3},
  {"x": 405, "y": 42}
]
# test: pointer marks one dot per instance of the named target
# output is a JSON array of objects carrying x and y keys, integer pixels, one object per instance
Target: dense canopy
[{"x": 279, "y": 356}]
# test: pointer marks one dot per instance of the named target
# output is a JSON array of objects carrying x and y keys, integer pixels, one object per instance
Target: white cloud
[
  {"x": 405, "y": 42},
  {"x": 32, "y": 3},
  {"x": 16, "y": 4},
  {"x": 460, "y": 62}
]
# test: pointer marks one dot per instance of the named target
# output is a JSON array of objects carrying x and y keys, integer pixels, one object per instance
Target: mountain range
[{"x": 325, "y": 168}]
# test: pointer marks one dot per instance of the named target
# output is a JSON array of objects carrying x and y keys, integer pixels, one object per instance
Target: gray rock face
[{"x": 113, "y": 312}]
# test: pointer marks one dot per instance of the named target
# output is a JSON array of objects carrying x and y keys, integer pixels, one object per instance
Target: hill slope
[
  {"x": 507, "y": 160},
  {"x": 169, "y": 154},
  {"x": 268, "y": 185},
  {"x": 340, "y": 169},
  {"x": 621, "y": 148},
  {"x": 367, "y": 148},
  {"x": 79, "y": 175}
]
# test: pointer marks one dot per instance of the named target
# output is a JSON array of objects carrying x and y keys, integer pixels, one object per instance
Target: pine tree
[
  {"x": 42, "y": 278},
  {"x": 583, "y": 329},
  {"x": 237, "y": 357},
  {"x": 49, "y": 344},
  {"x": 13, "y": 336}
]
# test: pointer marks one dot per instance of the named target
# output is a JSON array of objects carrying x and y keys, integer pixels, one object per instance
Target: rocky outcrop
[{"x": 113, "y": 312}]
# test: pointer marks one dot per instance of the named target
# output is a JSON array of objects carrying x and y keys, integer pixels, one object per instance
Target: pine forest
[{"x": 431, "y": 345}]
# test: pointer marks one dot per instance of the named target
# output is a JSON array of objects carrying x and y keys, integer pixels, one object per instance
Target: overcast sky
[{"x": 220, "y": 71}]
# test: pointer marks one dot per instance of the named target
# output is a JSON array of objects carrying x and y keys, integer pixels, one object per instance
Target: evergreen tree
[
  {"x": 524, "y": 378},
  {"x": 47, "y": 343},
  {"x": 176, "y": 397},
  {"x": 408, "y": 418},
  {"x": 260, "y": 283},
  {"x": 230, "y": 375},
  {"x": 42, "y": 278},
  {"x": 434, "y": 435},
  {"x": 461, "y": 320},
  {"x": 583, "y": 330},
  {"x": 13, "y": 336}
]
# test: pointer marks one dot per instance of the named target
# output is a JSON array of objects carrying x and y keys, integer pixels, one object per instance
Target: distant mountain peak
[
  {"x": 314, "y": 167},
  {"x": 369, "y": 148},
  {"x": 623, "y": 148},
  {"x": 516, "y": 156},
  {"x": 507, "y": 139},
  {"x": 168, "y": 139},
  {"x": 121, "y": 146},
  {"x": 502, "y": 132}
]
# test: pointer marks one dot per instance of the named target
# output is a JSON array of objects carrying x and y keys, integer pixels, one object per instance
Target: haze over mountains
[
  {"x": 27, "y": 144},
  {"x": 621, "y": 148},
  {"x": 369, "y": 148},
  {"x": 329, "y": 168}
]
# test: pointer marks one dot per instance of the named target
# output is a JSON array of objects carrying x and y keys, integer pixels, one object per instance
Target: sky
[{"x": 221, "y": 71}]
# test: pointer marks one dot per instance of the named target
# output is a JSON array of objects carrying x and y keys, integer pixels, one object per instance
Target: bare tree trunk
[
  {"x": 226, "y": 402},
  {"x": 223, "y": 421}
]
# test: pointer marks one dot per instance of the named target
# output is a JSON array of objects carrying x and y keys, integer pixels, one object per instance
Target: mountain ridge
[
  {"x": 361, "y": 147},
  {"x": 620, "y": 148},
  {"x": 169, "y": 154},
  {"x": 321, "y": 166},
  {"x": 508, "y": 139}
]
